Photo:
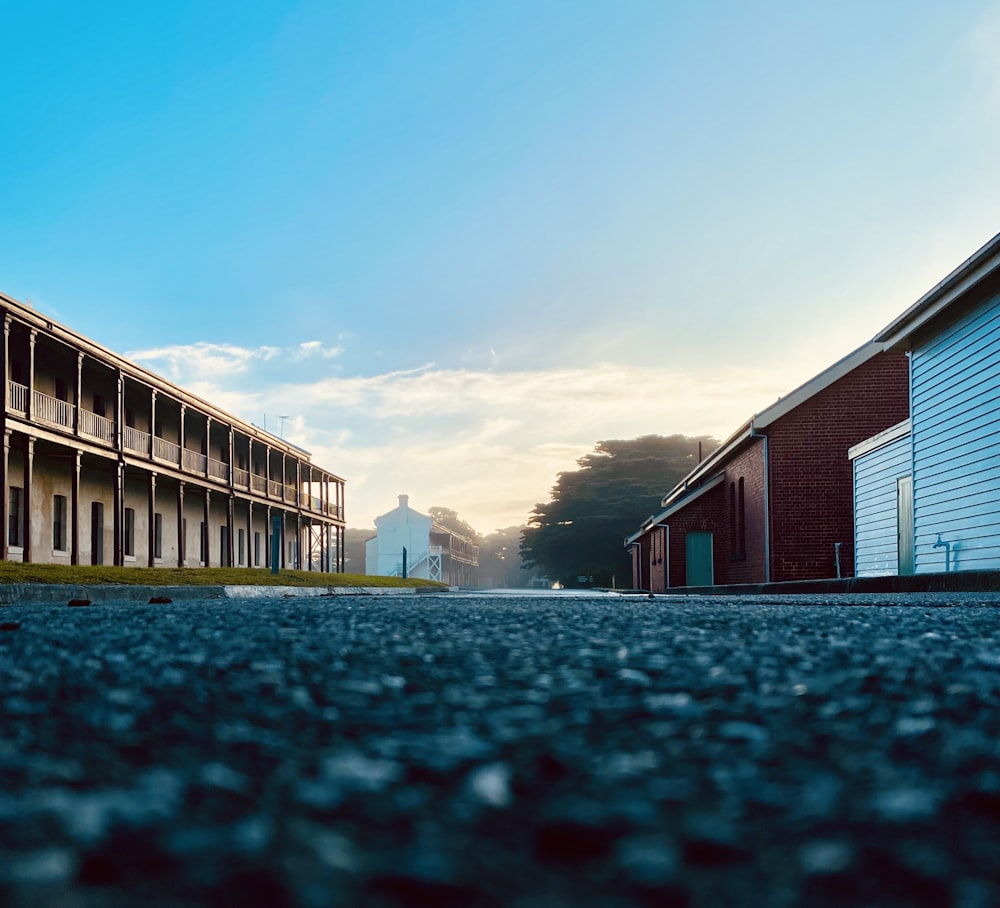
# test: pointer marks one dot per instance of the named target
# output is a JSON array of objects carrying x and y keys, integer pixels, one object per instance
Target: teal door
[
  {"x": 904, "y": 523},
  {"x": 698, "y": 556}
]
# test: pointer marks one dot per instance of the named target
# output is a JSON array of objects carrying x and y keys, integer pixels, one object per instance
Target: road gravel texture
[{"x": 485, "y": 750}]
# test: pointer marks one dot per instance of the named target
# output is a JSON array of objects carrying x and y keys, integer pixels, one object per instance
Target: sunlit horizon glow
[{"x": 458, "y": 244}]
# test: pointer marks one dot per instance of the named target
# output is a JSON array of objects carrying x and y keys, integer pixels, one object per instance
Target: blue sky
[{"x": 457, "y": 244}]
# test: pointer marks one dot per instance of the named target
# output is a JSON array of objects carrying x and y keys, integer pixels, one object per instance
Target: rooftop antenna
[{"x": 281, "y": 426}]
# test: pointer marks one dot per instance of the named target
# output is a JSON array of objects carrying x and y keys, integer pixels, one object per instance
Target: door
[
  {"x": 96, "y": 532},
  {"x": 904, "y": 523},
  {"x": 698, "y": 552}
]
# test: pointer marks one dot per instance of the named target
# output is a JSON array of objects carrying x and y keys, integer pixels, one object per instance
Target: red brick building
[{"x": 775, "y": 501}]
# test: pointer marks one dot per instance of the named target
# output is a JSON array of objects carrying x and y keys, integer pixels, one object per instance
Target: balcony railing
[
  {"x": 98, "y": 427},
  {"x": 135, "y": 440},
  {"x": 166, "y": 450},
  {"x": 61, "y": 413},
  {"x": 51, "y": 410},
  {"x": 194, "y": 461},
  {"x": 18, "y": 396},
  {"x": 218, "y": 469}
]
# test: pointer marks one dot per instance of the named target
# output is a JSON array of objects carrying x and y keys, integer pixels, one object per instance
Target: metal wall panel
[
  {"x": 956, "y": 445},
  {"x": 875, "y": 530}
]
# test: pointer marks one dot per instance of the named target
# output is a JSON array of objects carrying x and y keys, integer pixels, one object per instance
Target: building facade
[
  {"x": 927, "y": 499},
  {"x": 774, "y": 502},
  {"x": 408, "y": 543},
  {"x": 106, "y": 463}
]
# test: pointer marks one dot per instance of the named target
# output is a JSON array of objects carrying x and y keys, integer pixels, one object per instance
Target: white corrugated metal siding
[
  {"x": 875, "y": 530},
  {"x": 956, "y": 445}
]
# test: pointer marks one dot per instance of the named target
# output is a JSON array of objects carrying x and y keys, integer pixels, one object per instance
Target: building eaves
[
  {"x": 978, "y": 266},
  {"x": 679, "y": 503},
  {"x": 66, "y": 335},
  {"x": 709, "y": 464},
  {"x": 682, "y": 501}
]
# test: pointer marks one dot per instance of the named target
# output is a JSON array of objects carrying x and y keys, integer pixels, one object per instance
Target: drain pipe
[
  {"x": 767, "y": 498},
  {"x": 836, "y": 555}
]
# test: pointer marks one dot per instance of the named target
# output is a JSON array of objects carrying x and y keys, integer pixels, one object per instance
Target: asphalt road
[{"x": 474, "y": 750}]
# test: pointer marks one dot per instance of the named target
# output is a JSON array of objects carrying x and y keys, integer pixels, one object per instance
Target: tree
[
  {"x": 500, "y": 562},
  {"x": 354, "y": 549},
  {"x": 581, "y": 531},
  {"x": 450, "y": 520}
]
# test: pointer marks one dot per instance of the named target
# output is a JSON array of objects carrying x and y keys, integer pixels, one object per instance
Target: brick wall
[
  {"x": 811, "y": 479},
  {"x": 736, "y": 563}
]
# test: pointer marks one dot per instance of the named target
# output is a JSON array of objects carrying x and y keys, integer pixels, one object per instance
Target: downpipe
[{"x": 767, "y": 498}]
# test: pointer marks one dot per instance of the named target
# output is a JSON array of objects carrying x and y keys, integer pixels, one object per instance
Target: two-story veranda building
[{"x": 105, "y": 462}]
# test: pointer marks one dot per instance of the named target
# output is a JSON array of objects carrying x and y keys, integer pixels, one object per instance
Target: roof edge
[
  {"x": 900, "y": 430},
  {"x": 978, "y": 266}
]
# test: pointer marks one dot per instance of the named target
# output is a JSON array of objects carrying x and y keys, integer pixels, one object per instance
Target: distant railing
[
  {"x": 97, "y": 426},
  {"x": 241, "y": 477},
  {"x": 291, "y": 494},
  {"x": 50, "y": 409},
  {"x": 218, "y": 469},
  {"x": 18, "y": 396},
  {"x": 258, "y": 483},
  {"x": 135, "y": 440},
  {"x": 274, "y": 488},
  {"x": 194, "y": 461},
  {"x": 166, "y": 450}
]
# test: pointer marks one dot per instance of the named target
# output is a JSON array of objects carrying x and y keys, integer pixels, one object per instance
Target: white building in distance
[{"x": 433, "y": 552}]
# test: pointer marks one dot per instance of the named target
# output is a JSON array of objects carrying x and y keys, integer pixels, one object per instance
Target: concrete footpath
[{"x": 62, "y": 593}]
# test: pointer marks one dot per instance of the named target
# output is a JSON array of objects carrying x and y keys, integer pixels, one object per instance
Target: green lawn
[{"x": 90, "y": 575}]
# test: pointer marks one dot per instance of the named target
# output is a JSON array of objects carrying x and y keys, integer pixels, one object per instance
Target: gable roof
[
  {"x": 974, "y": 269},
  {"x": 781, "y": 407}
]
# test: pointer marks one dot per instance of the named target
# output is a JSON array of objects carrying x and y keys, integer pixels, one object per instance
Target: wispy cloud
[
  {"x": 487, "y": 443},
  {"x": 201, "y": 362}
]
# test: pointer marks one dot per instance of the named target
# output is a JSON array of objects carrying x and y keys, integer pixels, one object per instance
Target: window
[
  {"x": 15, "y": 517},
  {"x": 203, "y": 543},
  {"x": 256, "y": 549},
  {"x": 130, "y": 417},
  {"x": 738, "y": 520},
  {"x": 240, "y": 540},
  {"x": 61, "y": 393},
  {"x": 59, "y": 523},
  {"x": 130, "y": 531},
  {"x": 742, "y": 517},
  {"x": 99, "y": 406},
  {"x": 157, "y": 535},
  {"x": 224, "y": 547},
  {"x": 734, "y": 536}
]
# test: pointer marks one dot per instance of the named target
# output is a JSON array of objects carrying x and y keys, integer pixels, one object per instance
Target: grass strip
[{"x": 90, "y": 575}]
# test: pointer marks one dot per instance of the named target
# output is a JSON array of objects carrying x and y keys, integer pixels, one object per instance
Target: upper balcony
[{"x": 72, "y": 420}]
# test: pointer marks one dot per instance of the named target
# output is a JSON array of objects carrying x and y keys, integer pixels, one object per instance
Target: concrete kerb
[
  {"x": 62, "y": 593},
  {"x": 955, "y": 582}
]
